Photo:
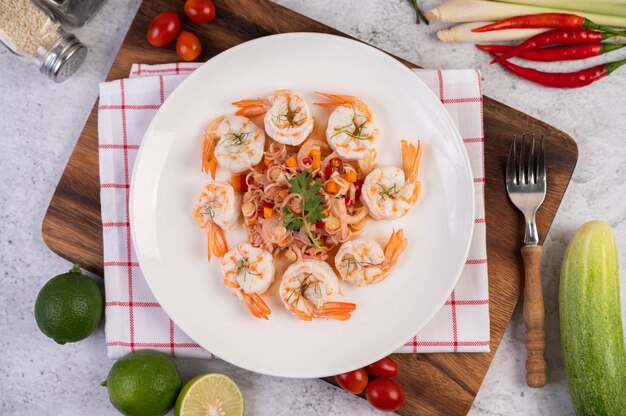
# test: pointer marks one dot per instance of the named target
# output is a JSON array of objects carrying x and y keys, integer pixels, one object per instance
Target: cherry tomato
[
  {"x": 353, "y": 381},
  {"x": 385, "y": 367},
  {"x": 200, "y": 11},
  {"x": 385, "y": 394},
  {"x": 163, "y": 29},
  {"x": 188, "y": 46}
]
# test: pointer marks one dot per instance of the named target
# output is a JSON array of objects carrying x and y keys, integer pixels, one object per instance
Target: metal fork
[{"x": 526, "y": 186}]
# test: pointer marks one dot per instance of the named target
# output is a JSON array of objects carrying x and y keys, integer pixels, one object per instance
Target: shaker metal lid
[{"x": 64, "y": 58}]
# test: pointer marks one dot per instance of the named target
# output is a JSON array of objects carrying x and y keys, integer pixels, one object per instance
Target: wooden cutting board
[{"x": 444, "y": 384}]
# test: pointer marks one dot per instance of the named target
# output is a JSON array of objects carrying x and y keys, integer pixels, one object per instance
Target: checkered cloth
[{"x": 135, "y": 319}]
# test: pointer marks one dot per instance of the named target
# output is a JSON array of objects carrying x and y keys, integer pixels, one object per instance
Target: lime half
[{"x": 210, "y": 394}]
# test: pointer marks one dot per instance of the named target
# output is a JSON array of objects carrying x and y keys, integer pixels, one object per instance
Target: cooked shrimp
[
  {"x": 390, "y": 192},
  {"x": 351, "y": 130},
  {"x": 306, "y": 287},
  {"x": 249, "y": 271},
  {"x": 217, "y": 209},
  {"x": 233, "y": 142},
  {"x": 287, "y": 117},
  {"x": 362, "y": 261}
]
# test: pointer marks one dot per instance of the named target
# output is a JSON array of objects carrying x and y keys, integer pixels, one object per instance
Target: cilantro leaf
[
  {"x": 292, "y": 223},
  {"x": 312, "y": 205}
]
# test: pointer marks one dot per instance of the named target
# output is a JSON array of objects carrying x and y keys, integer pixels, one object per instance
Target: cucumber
[{"x": 591, "y": 324}]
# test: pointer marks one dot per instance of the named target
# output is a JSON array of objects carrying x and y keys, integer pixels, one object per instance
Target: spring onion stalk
[
  {"x": 463, "y": 33},
  {"x": 607, "y": 7},
  {"x": 480, "y": 10}
]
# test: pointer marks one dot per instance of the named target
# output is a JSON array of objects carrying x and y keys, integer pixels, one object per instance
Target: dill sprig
[
  {"x": 243, "y": 265},
  {"x": 387, "y": 192},
  {"x": 238, "y": 139},
  {"x": 358, "y": 263},
  {"x": 356, "y": 133},
  {"x": 290, "y": 117},
  {"x": 304, "y": 285}
]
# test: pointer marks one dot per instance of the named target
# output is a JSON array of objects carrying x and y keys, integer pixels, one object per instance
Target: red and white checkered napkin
[{"x": 134, "y": 318}]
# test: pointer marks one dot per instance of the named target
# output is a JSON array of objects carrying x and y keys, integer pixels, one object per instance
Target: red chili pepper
[
  {"x": 564, "y": 79},
  {"x": 557, "y": 53},
  {"x": 349, "y": 203},
  {"x": 335, "y": 162},
  {"x": 552, "y": 20},
  {"x": 328, "y": 171},
  {"x": 357, "y": 188},
  {"x": 307, "y": 161},
  {"x": 320, "y": 225},
  {"x": 558, "y": 36}
]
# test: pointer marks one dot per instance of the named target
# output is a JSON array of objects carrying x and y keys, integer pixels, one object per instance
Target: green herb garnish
[
  {"x": 243, "y": 265},
  {"x": 312, "y": 205},
  {"x": 304, "y": 285},
  {"x": 290, "y": 118},
  {"x": 387, "y": 192},
  {"x": 237, "y": 140},
  {"x": 358, "y": 263},
  {"x": 356, "y": 134}
]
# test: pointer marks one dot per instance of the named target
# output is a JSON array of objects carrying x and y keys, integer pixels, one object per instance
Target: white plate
[{"x": 171, "y": 250}]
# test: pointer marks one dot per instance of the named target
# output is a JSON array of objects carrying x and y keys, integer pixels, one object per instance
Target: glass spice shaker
[
  {"x": 33, "y": 35},
  {"x": 72, "y": 12}
]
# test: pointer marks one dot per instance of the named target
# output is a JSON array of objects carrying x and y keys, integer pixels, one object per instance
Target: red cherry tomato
[
  {"x": 353, "y": 381},
  {"x": 188, "y": 46},
  {"x": 385, "y": 394},
  {"x": 385, "y": 367},
  {"x": 163, "y": 29},
  {"x": 200, "y": 11}
]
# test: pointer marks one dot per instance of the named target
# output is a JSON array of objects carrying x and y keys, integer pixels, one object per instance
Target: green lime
[
  {"x": 69, "y": 307},
  {"x": 143, "y": 383},
  {"x": 210, "y": 394}
]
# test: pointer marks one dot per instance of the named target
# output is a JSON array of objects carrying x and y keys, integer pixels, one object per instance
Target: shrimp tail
[
  {"x": 209, "y": 163},
  {"x": 336, "y": 100},
  {"x": 339, "y": 311},
  {"x": 411, "y": 156},
  {"x": 256, "y": 305},
  {"x": 217, "y": 244},
  {"x": 252, "y": 108},
  {"x": 394, "y": 248}
]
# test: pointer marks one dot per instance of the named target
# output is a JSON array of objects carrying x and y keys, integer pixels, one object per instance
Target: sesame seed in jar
[{"x": 25, "y": 28}]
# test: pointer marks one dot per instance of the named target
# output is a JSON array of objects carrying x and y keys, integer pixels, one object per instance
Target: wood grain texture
[
  {"x": 436, "y": 384},
  {"x": 534, "y": 313}
]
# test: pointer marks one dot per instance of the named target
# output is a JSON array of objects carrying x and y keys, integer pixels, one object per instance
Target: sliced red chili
[
  {"x": 328, "y": 172},
  {"x": 349, "y": 203},
  {"x": 336, "y": 163},
  {"x": 358, "y": 185}
]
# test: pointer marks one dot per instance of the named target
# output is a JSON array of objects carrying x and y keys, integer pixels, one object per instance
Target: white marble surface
[{"x": 39, "y": 125}]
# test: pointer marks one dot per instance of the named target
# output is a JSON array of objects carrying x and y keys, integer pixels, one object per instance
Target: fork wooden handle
[{"x": 534, "y": 317}]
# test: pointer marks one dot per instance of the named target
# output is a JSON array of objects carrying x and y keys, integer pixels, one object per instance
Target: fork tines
[{"x": 533, "y": 172}]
